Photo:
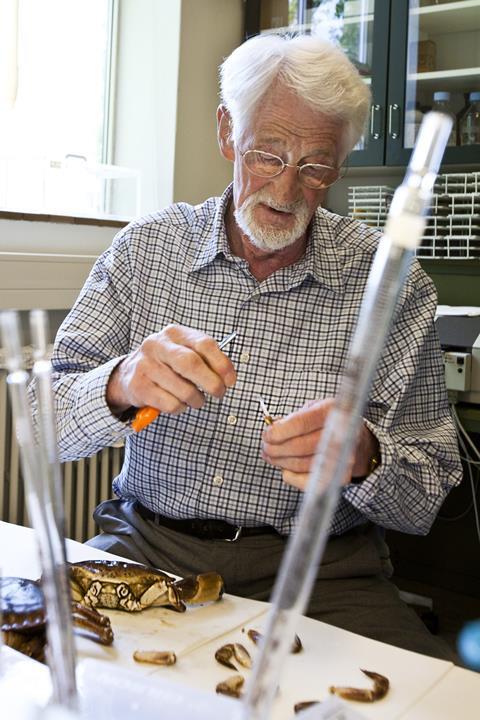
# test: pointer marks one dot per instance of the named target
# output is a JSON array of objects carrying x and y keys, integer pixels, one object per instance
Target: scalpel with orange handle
[{"x": 145, "y": 415}]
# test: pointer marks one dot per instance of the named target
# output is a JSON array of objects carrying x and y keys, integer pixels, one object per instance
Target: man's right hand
[{"x": 171, "y": 370}]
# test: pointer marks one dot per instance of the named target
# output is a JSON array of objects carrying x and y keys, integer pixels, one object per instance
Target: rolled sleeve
[
  {"x": 90, "y": 343},
  {"x": 85, "y": 423},
  {"x": 408, "y": 413}
]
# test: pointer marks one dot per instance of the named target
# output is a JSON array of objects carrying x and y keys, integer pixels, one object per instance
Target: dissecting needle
[
  {"x": 267, "y": 418},
  {"x": 145, "y": 415}
]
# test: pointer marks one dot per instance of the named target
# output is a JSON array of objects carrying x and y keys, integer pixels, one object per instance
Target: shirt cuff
[
  {"x": 362, "y": 495},
  {"x": 92, "y": 412}
]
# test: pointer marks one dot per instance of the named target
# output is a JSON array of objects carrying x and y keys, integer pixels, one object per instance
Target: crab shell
[
  {"x": 119, "y": 585},
  {"x": 23, "y": 618},
  {"x": 22, "y": 604}
]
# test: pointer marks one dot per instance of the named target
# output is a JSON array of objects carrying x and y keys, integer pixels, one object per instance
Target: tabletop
[{"x": 420, "y": 686}]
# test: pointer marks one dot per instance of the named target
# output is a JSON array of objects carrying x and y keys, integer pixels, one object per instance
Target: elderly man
[{"x": 200, "y": 488}]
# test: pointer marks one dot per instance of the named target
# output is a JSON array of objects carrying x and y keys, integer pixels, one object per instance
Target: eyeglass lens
[{"x": 267, "y": 165}]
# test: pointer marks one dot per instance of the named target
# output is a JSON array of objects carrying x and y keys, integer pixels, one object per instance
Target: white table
[{"x": 420, "y": 686}]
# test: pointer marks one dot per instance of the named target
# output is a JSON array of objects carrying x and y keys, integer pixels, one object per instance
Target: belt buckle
[{"x": 238, "y": 532}]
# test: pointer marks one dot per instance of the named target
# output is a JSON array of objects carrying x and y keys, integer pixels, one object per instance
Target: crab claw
[
  {"x": 207, "y": 587},
  {"x": 226, "y": 654},
  {"x": 232, "y": 686},
  {"x": 379, "y": 690},
  {"x": 92, "y": 624}
]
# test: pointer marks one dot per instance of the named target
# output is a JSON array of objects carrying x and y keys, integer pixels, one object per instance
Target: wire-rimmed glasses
[{"x": 312, "y": 175}]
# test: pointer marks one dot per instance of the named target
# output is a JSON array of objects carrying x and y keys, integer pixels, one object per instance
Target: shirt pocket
[{"x": 302, "y": 386}]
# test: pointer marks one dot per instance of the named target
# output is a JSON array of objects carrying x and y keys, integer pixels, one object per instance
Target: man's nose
[{"x": 287, "y": 185}]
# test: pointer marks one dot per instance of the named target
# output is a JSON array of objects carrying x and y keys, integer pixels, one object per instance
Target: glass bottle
[
  {"x": 413, "y": 120},
  {"x": 470, "y": 122},
  {"x": 441, "y": 103},
  {"x": 461, "y": 113}
]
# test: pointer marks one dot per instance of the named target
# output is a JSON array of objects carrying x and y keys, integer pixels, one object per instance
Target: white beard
[{"x": 270, "y": 238}]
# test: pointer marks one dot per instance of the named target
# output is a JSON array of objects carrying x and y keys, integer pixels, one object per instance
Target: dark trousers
[{"x": 352, "y": 590}]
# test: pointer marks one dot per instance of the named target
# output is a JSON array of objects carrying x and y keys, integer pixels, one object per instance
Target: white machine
[{"x": 460, "y": 341}]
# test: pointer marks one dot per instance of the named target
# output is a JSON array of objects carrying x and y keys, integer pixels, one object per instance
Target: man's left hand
[{"x": 290, "y": 444}]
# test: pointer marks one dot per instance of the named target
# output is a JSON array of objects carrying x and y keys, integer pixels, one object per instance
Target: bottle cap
[
  {"x": 441, "y": 96},
  {"x": 474, "y": 96}
]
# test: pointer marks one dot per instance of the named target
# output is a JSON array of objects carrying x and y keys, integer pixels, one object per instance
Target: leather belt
[{"x": 204, "y": 529}]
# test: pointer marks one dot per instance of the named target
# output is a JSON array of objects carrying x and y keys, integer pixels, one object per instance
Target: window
[{"x": 55, "y": 99}]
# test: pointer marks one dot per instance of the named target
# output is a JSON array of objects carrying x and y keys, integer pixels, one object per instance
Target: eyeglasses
[{"x": 313, "y": 175}]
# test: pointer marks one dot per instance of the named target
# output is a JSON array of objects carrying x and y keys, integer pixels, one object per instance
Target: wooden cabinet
[{"x": 406, "y": 50}]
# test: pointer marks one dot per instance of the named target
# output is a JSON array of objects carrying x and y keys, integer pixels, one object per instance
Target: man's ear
[{"x": 224, "y": 129}]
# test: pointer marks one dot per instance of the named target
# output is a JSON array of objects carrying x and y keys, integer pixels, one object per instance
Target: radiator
[{"x": 86, "y": 482}]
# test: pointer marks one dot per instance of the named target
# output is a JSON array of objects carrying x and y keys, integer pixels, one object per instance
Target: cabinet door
[
  {"x": 360, "y": 28},
  {"x": 434, "y": 48}
]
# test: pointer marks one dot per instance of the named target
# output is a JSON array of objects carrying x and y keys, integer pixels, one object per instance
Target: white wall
[
  {"x": 44, "y": 264},
  {"x": 47, "y": 281},
  {"x": 27, "y": 236},
  {"x": 211, "y": 29},
  {"x": 167, "y": 94}
]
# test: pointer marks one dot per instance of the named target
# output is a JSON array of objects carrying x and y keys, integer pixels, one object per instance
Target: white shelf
[
  {"x": 461, "y": 79},
  {"x": 451, "y": 17},
  {"x": 307, "y": 27},
  {"x": 357, "y": 19}
]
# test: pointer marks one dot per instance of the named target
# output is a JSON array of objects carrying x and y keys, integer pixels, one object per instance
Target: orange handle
[{"x": 144, "y": 417}]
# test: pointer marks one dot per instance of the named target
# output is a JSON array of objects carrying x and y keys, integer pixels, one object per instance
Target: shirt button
[
  {"x": 244, "y": 357},
  {"x": 232, "y": 420},
  {"x": 218, "y": 480}
]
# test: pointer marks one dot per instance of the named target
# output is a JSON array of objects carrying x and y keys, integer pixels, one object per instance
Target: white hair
[{"x": 317, "y": 71}]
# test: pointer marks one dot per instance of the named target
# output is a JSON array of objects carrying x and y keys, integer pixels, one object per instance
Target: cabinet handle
[
  {"x": 375, "y": 119},
  {"x": 394, "y": 121}
]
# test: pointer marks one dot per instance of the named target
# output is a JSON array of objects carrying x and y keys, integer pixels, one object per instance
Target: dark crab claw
[
  {"x": 298, "y": 707},
  {"x": 296, "y": 645},
  {"x": 257, "y": 637},
  {"x": 232, "y": 686},
  {"x": 92, "y": 624},
  {"x": 379, "y": 690},
  {"x": 207, "y": 587},
  {"x": 233, "y": 651}
]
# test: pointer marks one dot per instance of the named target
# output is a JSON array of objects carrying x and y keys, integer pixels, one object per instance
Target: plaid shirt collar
[{"x": 322, "y": 260}]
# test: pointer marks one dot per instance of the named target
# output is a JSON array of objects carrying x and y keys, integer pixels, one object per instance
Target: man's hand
[
  {"x": 290, "y": 443},
  {"x": 171, "y": 371}
]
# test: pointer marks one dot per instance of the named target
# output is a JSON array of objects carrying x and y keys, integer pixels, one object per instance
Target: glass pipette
[
  {"x": 36, "y": 472},
  {"x": 403, "y": 231}
]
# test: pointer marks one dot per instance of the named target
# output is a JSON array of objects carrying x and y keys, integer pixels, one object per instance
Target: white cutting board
[
  {"x": 457, "y": 695},
  {"x": 151, "y": 629},
  {"x": 330, "y": 657},
  {"x": 163, "y": 629}
]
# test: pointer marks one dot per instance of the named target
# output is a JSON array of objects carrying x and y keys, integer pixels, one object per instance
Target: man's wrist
[
  {"x": 113, "y": 395},
  {"x": 374, "y": 462}
]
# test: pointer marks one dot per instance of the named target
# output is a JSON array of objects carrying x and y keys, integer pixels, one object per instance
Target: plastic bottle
[
  {"x": 441, "y": 103},
  {"x": 470, "y": 122}
]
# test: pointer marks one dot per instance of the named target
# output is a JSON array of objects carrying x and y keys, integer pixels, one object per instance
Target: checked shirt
[{"x": 293, "y": 332}]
